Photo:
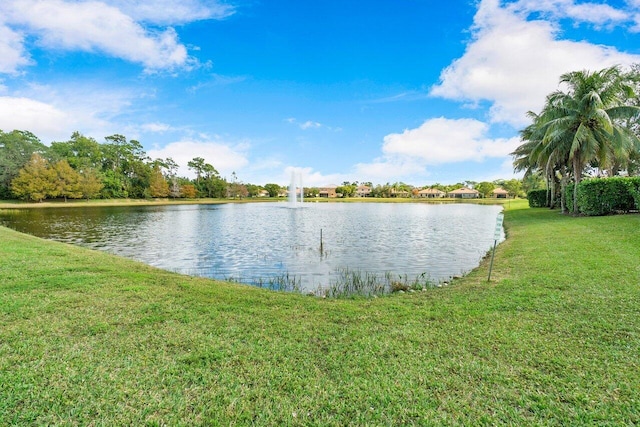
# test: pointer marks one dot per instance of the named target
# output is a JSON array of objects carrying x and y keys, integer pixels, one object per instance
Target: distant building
[
  {"x": 431, "y": 193},
  {"x": 363, "y": 191},
  {"x": 399, "y": 193},
  {"x": 328, "y": 192},
  {"x": 500, "y": 193},
  {"x": 464, "y": 193}
]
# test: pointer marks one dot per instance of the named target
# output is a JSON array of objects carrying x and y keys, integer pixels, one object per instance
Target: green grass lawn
[{"x": 554, "y": 339}]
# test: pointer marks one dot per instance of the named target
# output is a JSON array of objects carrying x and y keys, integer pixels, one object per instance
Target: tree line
[
  {"x": 119, "y": 168},
  {"x": 591, "y": 127}
]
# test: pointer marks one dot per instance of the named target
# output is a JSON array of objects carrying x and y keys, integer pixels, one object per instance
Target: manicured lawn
[{"x": 91, "y": 339}]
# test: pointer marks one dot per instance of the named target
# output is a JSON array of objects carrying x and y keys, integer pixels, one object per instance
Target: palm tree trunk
[
  {"x": 551, "y": 202},
  {"x": 563, "y": 191},
  {"x": 577, "y": 177}
]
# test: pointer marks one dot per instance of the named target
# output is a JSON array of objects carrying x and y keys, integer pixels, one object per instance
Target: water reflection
[{"x": 247, "y": 242}]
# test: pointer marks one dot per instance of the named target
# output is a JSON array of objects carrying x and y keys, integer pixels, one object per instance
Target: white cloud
[
  {"x": 37, "y": 117},
  {"x": 53, "y": 114},
  {"x": 216, "y": 80},
  {"x": 634, "y": 6},
  {"x": 514, "y": 63},
  {"x": 156, "y": 127},
  {"x": 171, "y": 12},
  {"x": 593, "y": 13},
  {"x": 311, "y": 177},
  {"x": 409, "y": 156},
  {"x": 390, "y": 169},
  {"x": 504, "y": 170},
  {"x": 442, "y": 140},
  {"x": 111, "y": 28},
  {"x": 225, "y": 157},
  {"x": 12, "y": 53},
  {"x": 310, "y": 125}
]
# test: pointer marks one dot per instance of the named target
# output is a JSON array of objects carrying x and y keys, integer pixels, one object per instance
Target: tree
[
  {"x": 485, "y": 188},
  {"x": 80, "y": 152},
  {"x": 513, "y": 187},
  {"x": 347, "y": 190},
  {"x": 213, "y": 186},
  {"x": 188, "y": 191},
  {"x": 311, "y": 191},
  {"x": 16, "y": 148},
  {"x": 113, "y": 185},
  {"x": 237, "y": 190},
  {"x": 197, "y": 165},
  {"x": 171, "y": 168},
  {"x": 585, "y": 121},
  {"x": 588, "y": 124},
  {"x": 89, "y": 183},
  {"x": 125, "y": 167},
  {"x": 272, "y": 189},
  {"x": 158, "y": 186},
  {"x": 532, "y": 181},
  {"x": 253, "y": 190},
  {"x": 174, "y": 187},
  {"x": 551, "y": 159},
  {"x": 67, "y": 182},
  {"x": 36, "y": 180}
]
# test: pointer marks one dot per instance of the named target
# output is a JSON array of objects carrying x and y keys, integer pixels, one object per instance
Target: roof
[
  {"x": 464, "y": 190},
  {"x": 500, "y": 191},
  {"x": 430, "y": 191}
]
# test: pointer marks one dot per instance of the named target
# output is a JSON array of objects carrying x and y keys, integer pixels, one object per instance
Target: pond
[{"x": 313, "y": 243}]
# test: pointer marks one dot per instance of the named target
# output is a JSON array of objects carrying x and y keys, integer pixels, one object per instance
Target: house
[
  {"x": 464, "y": 193},
  {"x": 399, "y": 193},
  {"x": 431, "y": 193},
  {"x": 363, "y": 191},
  {"x": 328, "y": 192},
  {"x": 500, "y": 193},
  {"x": 263, "y": 193}
]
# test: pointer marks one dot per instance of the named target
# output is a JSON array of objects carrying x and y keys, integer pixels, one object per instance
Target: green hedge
[
  {"x": 604, "y": 196},
  {"x": 568, "y": 197},
  {"x": 633, "y": 185},
  {"x": 537, "y": 198}
]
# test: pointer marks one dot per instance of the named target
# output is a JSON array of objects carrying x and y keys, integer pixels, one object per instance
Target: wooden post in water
[{"x": 321, "y": 245}]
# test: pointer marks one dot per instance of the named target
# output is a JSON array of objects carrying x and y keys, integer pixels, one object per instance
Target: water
[{"x": 253, "y": 241}]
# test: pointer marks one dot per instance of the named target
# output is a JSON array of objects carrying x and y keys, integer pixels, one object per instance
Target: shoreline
[
  {"x": 93, "y": 338},
  {"x": 346, "y": 280},
  {"x": 77, "y": 203}
]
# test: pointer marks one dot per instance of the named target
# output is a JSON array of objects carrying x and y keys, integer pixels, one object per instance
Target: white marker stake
[{"x": 496, "y": 237}]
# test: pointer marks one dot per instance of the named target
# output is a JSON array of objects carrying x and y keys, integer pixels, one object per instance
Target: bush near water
[
  {"x": 538, "y": 198},
  {"x": 597, "y": 196}
]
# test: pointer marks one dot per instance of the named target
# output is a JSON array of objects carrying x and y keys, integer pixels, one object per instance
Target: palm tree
[
  {"x": 537, "y": 155},
  {"x": 584, "y": 124}
]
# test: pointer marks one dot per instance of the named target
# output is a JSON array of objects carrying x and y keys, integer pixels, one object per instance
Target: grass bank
[{"x": 554, "y": 339}]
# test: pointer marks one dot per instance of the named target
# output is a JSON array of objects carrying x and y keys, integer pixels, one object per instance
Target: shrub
[
  {"x": 600, "y": 196},
  {"x": 633, "y": 185},
  {"x": 537, "y": 198},
  {"x": 568, "y": 196}
]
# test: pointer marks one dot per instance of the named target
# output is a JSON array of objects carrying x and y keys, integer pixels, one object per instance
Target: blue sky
[{"x": 382, "y": 91}]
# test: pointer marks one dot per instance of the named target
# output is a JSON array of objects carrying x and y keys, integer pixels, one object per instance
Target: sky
[{"x": 381, "y": 91}]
